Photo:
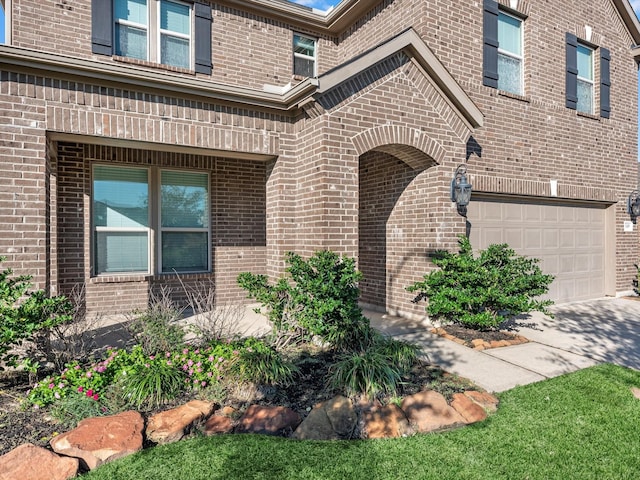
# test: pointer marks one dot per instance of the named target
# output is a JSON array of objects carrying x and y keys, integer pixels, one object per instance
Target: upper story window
[
  {"x": 503, "y": 49},
  {"x": 510, "y": 59},
  {"x": 169, "y": 32},
  {"x": 585, "y": 82},
  {"x": 154, "y": 30},
  {"x": 582, "y": 83},
  {"x": 304, "y": 55}
]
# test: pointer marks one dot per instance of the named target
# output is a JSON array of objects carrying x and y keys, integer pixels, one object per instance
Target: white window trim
[
  {"x": 154, "y": 32},
  {"x": 155, "y": 229},
  {"x": 157, "y": 203},
  {"x": 171, "y": 33},
  {"x": 592, "y": 81},
  {"x": 314, "y": 58},
  {"x": 95, "y": 228},
  {"x": 7, "y": 22},
  {"x": 520, "y": 58}
]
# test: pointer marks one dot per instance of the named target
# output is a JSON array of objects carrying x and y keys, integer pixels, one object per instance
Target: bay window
[{"x": 134, "y": 209}]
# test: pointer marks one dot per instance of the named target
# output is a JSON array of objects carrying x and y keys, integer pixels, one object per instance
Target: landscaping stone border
[
  {"x": 100, "y": 440},
  {"x": 478, "y": 343}
]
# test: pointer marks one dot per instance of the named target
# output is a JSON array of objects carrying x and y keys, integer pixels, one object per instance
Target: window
[
  {"x": 304, "y": 56},
  {"x": 171, "y": 32},
  {"x": 154, "y": 30},
  {"x": 510, "y": 54},
  {"x": 585, "y": 79},
  {"x": 123, "y": 225},
  {"x": 581, "y": 84}
]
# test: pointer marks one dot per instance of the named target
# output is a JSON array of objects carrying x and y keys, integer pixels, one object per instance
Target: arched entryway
[{"x": 390, "y": 185}]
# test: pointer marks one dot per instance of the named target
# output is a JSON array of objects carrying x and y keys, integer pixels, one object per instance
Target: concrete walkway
[{"x": 582, "y": 334}]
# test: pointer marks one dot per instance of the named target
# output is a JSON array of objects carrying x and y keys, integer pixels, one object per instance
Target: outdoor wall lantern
[
  {"x": 633, "y": 204},
  {"x": 461, "y": 189}
]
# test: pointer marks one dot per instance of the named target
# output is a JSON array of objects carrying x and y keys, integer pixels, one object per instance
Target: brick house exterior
[{"x": 356, "y": 156}]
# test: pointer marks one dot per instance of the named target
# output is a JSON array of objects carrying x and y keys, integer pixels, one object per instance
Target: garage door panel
[
  {"x": 513, "y": 236},
  {"x": 569, "y": 240},
  {"x": 532, "y": 239}
]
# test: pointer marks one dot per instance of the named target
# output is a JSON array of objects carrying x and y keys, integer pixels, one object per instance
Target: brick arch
[{"x": 412, "y": 146}]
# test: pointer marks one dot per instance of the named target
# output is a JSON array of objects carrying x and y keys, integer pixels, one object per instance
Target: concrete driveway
[{"x": 582, "y": 334}]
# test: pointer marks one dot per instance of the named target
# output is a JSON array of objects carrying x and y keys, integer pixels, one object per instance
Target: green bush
[
  {"x": 27, "y": 316},
  {"x": 482, "y": 292},
  {"x": 322, "y": 301}
]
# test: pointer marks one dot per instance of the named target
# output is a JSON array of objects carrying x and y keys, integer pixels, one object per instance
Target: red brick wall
[{"x": 238, "y": 224}]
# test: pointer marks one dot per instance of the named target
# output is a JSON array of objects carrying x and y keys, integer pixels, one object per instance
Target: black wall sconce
[
  {"x": 461, "y": 189},
  {"x": 633, "y": 204}
]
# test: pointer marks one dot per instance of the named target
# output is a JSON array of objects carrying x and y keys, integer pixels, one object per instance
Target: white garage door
[{"x": 569, "y": 240}]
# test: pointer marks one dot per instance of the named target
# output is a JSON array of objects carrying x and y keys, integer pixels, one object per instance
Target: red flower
[
  {"x": 80, "y": 389},
  {"x": 96, "y": 396},
  {"x": 89, "y": 393}
]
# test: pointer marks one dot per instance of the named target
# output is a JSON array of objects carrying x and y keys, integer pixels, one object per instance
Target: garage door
[{"x": 569, "y": 240}]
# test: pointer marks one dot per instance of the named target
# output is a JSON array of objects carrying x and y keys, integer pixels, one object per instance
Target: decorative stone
[
  {"x": 29, "y": 462},
  {"x": 217, "y": 424},
  {"x": 636, "y": 392},
  {"x": 477, "y": 342},
  {"x": 429, "y": 411},
  {"x": 102, "y": 439},
  {"x": 484, "y": 399},
  {"x": 171, "y": 425},
  {"x": 268, "y": 420},
  {"x": 229, "y": 411},
  {"x": 334, "y": 419},
  {"x": 470, "y": 411},
  {"x": 385, "y": 422}
]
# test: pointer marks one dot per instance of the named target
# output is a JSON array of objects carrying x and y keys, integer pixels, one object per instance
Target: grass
[{"x": 584, "y": 425}]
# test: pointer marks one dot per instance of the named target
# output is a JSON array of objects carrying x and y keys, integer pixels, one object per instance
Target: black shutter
[
  {"x": 490, "y": 38},
  {"x": 605, "y": 83},
  {"x": 102, "y": 27},
  {"x": 203, "y": 38},
  {"x": 572, "y": 72}
]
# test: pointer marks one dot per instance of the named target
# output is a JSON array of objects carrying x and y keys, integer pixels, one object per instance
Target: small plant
[
  {"x": 156, "y": 329},
  {"x": 262, "y": 365},
  {"x": 378, "y": 368},
  {"x": 482, "y": 292},
  {"x": 152, "y": 385},
  {"x": 73, "y": 408},
  {"x": 26, "y": 316},
  {"x": 636, "y": 281},
  {"x": 209, "y": 320}
]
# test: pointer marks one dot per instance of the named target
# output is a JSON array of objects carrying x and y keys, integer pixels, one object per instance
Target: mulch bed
[
  {"x": 20, "y": 425},
  {"x": 479, "y": 339}
]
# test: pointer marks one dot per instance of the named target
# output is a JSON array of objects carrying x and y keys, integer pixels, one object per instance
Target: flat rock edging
[{"x": 99, "y": 440}]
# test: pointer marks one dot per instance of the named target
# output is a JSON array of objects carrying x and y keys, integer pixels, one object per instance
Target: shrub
[
  {"x": 482, "y": 292},
  {"x": 322, "y": 301},
  {"x": 156, "y": 329},
  {"x": 27, "y": 316}
]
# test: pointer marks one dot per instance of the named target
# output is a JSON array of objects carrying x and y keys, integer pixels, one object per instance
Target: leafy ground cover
[{"x": 581, "y": 425}]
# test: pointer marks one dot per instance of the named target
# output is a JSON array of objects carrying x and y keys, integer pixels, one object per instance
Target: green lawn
[{"x": 585, "y": 425}]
